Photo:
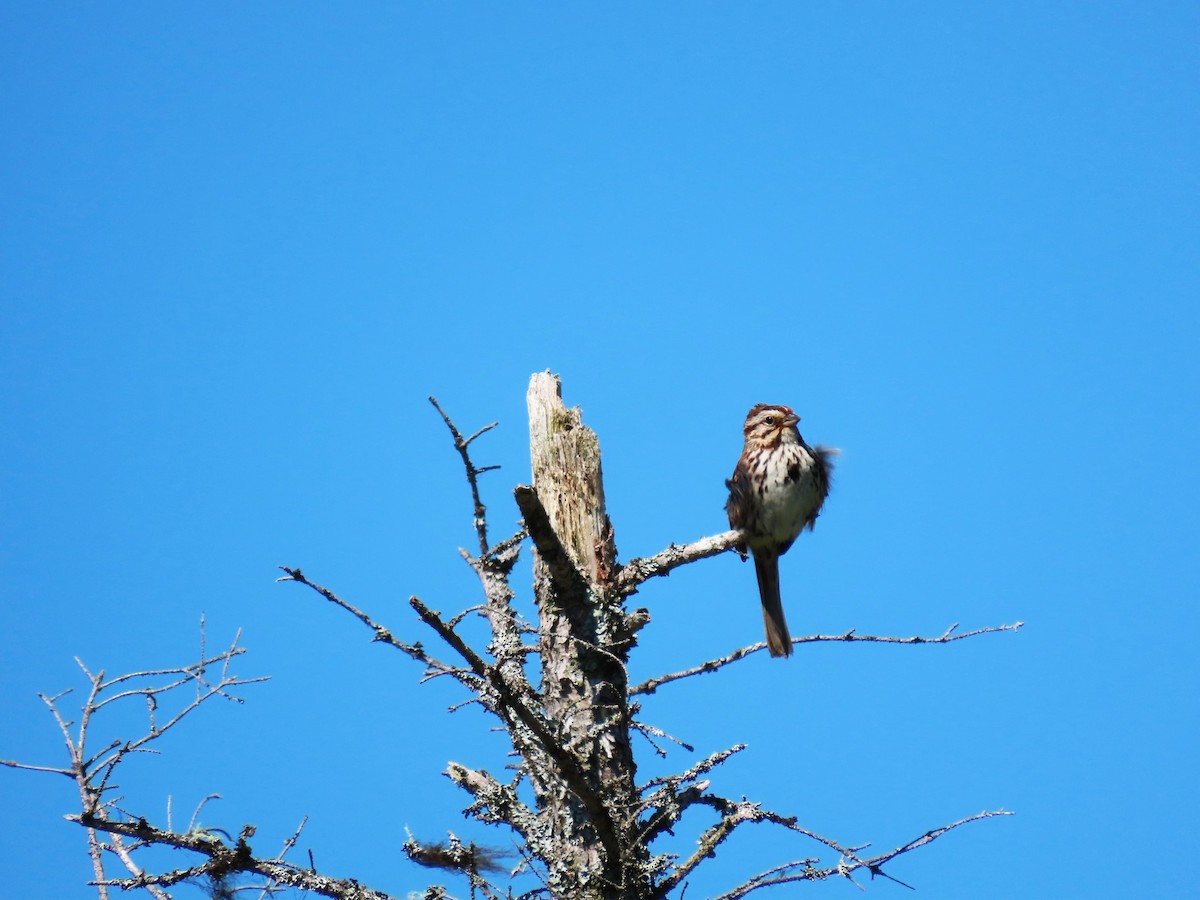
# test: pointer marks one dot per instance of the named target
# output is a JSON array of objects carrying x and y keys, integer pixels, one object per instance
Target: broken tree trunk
[{"x": 585, "y": 638}]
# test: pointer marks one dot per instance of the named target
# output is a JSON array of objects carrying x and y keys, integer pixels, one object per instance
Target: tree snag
[
  {"x": 584, "y": 642},
  {"x": 585, "y": 828}
]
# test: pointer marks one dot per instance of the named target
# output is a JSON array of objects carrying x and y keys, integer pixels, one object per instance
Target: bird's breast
[{"x": 787, "y": 495}]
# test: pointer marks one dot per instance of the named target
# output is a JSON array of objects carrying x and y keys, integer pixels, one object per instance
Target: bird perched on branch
[{"x": 777, "y": 490}]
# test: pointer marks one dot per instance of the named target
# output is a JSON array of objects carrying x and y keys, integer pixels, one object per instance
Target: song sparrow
[{"x": 776, "y": 491}]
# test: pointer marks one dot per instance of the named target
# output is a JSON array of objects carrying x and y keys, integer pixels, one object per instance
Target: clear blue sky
[{"x": 242, "y": 244}]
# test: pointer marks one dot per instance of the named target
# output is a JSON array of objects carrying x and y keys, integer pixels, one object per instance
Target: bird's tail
[{"x": 766, "y": 567}]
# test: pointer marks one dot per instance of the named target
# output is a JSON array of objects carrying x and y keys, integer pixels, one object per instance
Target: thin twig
[
  {"x": 382, "y": 633},
  {"x": 650, "y": 685},
  {"x": 461, "y": 444},
  {"x": 649, "y": 732},
  {"x": 13, "y": 764},
  {"x": 848, "y": 864}
]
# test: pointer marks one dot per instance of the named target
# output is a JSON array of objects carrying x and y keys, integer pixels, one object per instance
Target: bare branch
[
  {"x": 668, "y": 802},
  {"x": 92, "y": 771},
  {"x": 382, "y": 634},
  {"x": 13, "y": 764},
  {"x": 291, "y": 841},
  {"x": 493, "y": 569},
  {"x": 221, "y": 859},
  {"x": 649, "y": 732},
  {"x": 461, "y": 444},
  {"x": 650, "y": 685},
  {"x": 117, "y": 846},
  {"x": 734, "y": 814},
  {"x": 661, "y": 564},
  {"x": 497, "y": 803},
  {"x": 508, "y": 701},
  {"x": 849, "y": 863},
  {"x": 930, "y": 836},
  {"x": 194, "y": 673}
]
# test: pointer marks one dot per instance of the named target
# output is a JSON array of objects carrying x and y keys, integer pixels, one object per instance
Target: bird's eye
[{"x": 770, "y": 420}]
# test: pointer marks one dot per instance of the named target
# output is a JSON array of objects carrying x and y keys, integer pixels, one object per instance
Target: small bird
[{"x": 777, "y": 490}]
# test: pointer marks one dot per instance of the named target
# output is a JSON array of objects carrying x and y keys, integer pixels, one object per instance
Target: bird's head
[{"x": 768, "y": 425}]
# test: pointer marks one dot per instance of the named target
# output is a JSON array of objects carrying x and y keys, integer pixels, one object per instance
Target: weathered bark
[{"x": 585, "y": 638}]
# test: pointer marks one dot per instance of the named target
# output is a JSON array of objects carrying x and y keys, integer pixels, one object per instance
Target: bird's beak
[{"x": 790, "y": 421}]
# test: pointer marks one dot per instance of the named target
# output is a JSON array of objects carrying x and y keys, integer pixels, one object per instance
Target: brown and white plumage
[{"x": 777, "y": 490}]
